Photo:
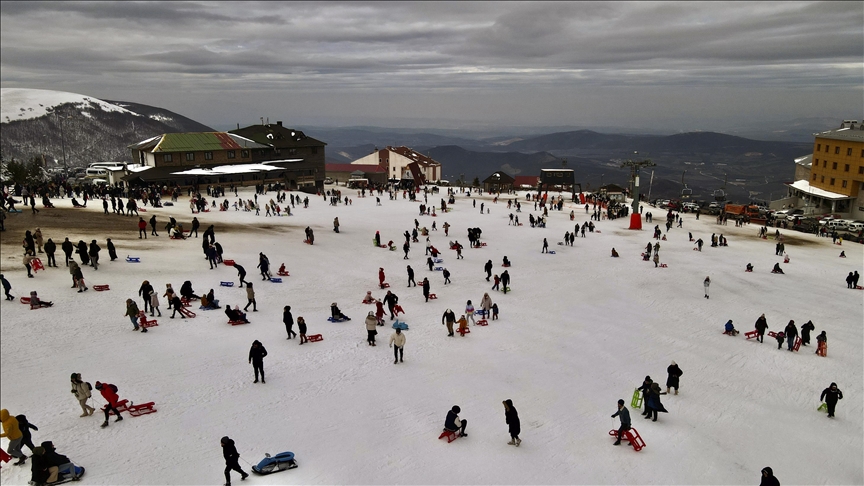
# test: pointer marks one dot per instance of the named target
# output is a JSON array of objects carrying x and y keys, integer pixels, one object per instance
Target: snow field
[{"x": 579, "y": 331}]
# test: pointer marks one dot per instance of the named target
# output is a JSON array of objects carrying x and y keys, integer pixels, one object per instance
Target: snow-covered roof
[
  {"x": 24, "y": 104},
  {"x": 228, "y": 169},
  {"x": 804, "y": 186}
]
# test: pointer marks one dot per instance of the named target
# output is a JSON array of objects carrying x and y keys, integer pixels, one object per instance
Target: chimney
[
  {"x": 238, "y": 126},
  {"x": 279, "y": 123}
]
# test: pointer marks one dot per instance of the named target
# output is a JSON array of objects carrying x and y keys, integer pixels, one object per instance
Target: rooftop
[
  {"x": 277, "y": 136},
  {"x": 415, "y": 156},
  {"x": 850, "y": 130},
  {"x": 195, "y": 142}
]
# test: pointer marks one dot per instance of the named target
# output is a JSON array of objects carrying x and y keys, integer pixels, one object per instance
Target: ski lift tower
[{"x": 635, "y": 217}]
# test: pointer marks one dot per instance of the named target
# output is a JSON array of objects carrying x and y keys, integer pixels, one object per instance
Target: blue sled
[
  {"x": 331, "y": 319},
  {"x": 279, "y": 462},
  {"x": 438, "y": 269},
  {"x": 226, "y": 284},
  {"x": 276, "y": 279},
  {"x": 400, "y": 325},
  {"x": 437, "y": 260},
  {"x": 133, "y": 259}
]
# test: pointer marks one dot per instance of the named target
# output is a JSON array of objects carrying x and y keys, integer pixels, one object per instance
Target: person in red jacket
[
  {"x": 109, "y": 393},
  {"x": 142, "y": 228},
  {"x": 381, "y": 277}
]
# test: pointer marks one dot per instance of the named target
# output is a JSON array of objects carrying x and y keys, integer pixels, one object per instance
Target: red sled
[
  {"x": 482, "y": 322},
  {"x": 25, "y": 300},
  {"x": 142, "y": 409},
  {"x": 307, "y": 242},
  {"x": 314, "y": 338},
  {"x": 752, "y": 334},
  {"x": 663, "y": 265},
  {"x": 463, "y": 332},
  {"x": 385, "y": 285},
  {"x": 187, "y": 313},
  {"x": 142, "y": 210},
  {"x": 237, "y": 323},
  {"x": 101, "y": 288},
  {"x": 37, "y": 265},
  {"x": 397, "y": 309},
  {"x": 797, "y": 345},
  {"x": 283, "y": 273},
  {"x": 450, "y": 435},
  {"x": 432, "y": 296},
  {"x": 230, "y": 263},
  {"x": 4, "y": 457},
  {"x": 631, "y": 436},
  {"x": 144, "y": 323}
]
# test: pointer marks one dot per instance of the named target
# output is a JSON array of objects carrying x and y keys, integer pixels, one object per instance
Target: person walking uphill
[
  {"x": 830, "y": 395},
  {"x": 488, "y": 268},
  {"x": 791, "y": 333},
  {"x": 706, "y": 283},
  {"x": 371, "y": 328},
  {"x": 674, "y": 374},
  {"x": 250, "y": 297},
  {"x": 397, "y": 342},
  {"x": 288, "y": 320},
  {"x": 511, "y": 417},
  {"x": 142, "y": 228},
  {"x": 12, "y": 432},
  {"x": 624, "y": 414},
  {"x": 761, "y": 327},
  {"x": 109, "y": 393},
  {"x": 256, "y": 357},
  {"x": 449, "y": 318},
  {"x": 229, "y": 452},
  {"x": 82, "y": 392},
  {"x": 132, "y": 311},
  {"x": 768, "y": 478}
]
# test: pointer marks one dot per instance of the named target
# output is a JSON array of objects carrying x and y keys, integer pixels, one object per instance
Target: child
[
  {"x": 781, "y": 336},
  {"x": 495, "y": 312},
  {"x": 463, "y": 325}
]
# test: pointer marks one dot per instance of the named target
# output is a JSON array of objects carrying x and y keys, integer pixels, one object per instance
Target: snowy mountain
[
  {"x": 40, "y": 122},
  {"x": 578, "y": 331}
]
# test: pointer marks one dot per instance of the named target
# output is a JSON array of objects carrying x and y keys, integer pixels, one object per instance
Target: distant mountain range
[{"x": 99, "y": 130}]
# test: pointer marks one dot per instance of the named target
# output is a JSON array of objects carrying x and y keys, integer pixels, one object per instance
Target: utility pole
[{"x": 635, "y": 217}]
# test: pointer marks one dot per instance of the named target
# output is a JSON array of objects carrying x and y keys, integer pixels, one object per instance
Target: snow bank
[{"x": 24, "y": 104}]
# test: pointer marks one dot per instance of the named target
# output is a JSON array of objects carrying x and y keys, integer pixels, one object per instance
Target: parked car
[
  {"x": 856, "y": 225},
  {"x": 837, "y": 224},
  {"x": 827, "y": 219},
  {"x": 794, "y": 213}
]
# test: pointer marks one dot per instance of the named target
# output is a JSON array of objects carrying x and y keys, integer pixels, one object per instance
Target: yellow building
[{"x": 836, "y": 180}]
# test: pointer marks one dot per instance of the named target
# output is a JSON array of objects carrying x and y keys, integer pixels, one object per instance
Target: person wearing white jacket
[
  {"x": 397, "y": 342},
  {"x": 486, "y": 304},
  {"x": 371, "y": 331},
  {"x": 154, "y": 303}
]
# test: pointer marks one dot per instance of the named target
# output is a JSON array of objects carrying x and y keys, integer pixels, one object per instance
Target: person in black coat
[
  {"x": 82, "y": 252},
  {"x": 153, "y": 226},
  {"x": 645, "y": 389},
  {"x": 624, "y": 413},
  {"x": 195, "y": 225},
  {"x": 68, "y": 248},
  {"x": 39, "y": 467},
  {"x": 256, "y": 357},
  {"x": 791, "y": 333},
  {"x": 488, "y": 268},
  {"x": 452, "y": 423},
  {"x": 426, "y": 289},
  {"x": 112, "y": 252},
  {"x": 411, "y": 275},
  {"x": 50, "y": 248},
  {"x": 229, "y": 452},
  {"x": 768, "y": 478},
  {"x": 761, "y": 327},
  {"x": 144, "y": 292},
  {"x": 830, "y": 395},
  {"x": 505, "y": 280},
  {"x": 176, "y": 304},
  {"x": 674, "y": 373},
  {"x": 511, "y": 416},
  {"x": 805, "y": 332},
  {"x": 93, "y": 253},
  {"x": 288, "y": 319},
  {"x": 186, "y": 291},
  {"x": 25, "y": 426},
  {"x": 55, "y": 462}
]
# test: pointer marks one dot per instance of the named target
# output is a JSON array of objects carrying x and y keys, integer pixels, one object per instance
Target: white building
[{"x": 403, "y": 163}]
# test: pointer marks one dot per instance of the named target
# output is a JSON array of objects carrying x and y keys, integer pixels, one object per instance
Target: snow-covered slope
[
  {"x": 579, "y": 331},
  {"x": 23, "y": 104}
]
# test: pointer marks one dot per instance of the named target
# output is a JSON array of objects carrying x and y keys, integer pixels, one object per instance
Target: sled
[
  {"x": 307, "y": 241},
  {"x": 226, "y": 284},
  {"x": 858, "y": 287},
  {"x": 144, "y": 323},
  {"x": 438, "y": 269},
  {"x": 733, "y": 332},
  {"x": 400, "y": 325},
  {"x": 551, "y": 252},
  {"x": 25, "y": 300},
  {"x": 437, "y": 260},
  {"x": 230, "y": 263},
  {"x": 36, "y": 264},
  {"x": 142, "y": 210},
  {"x": 482, "y": 244},
  {"x": 397, "y": 309},
  {"x": 664, "y": 238},
  {"x": 450, "y": 435},
  {"x": 142, "y": 409},
  {"x": 823, "y": 408},
  {"x": 432, "y": 296},
  {"x": 748, "y": 271},
  {"x": 101, "y": 288},
  {"x": 283, "y": 273},
  {"x": 786, "y": 260},
  {"x": 822, "y": 349},
  {"x": 334, "y": 319},
  {"x": 384, "y": 285},
  {"x": 130, "y": 259},
  {"x": 186, "y": 301},
  {"x": 631, "y": 436},
  {"x": 280, "y": 462},
  {"x": 504, "y": 265},
  {"x": 772, "y": 334},
  {"x": 482, "y": 322},
  {"x": 237, "y": 323},
  {"x": 4, "y": 457},
  {"x": 751, "y": 334},
  {"x": 276, "y": 279},
  {"x": 69, "y": 472},
  {"x": 463, "y": 332},
  {"x": 186, "y": 313},
  {"x": 636, "y": 401},
  {"x": 314, "y": 338},
  {"x": 663, "y": 265},
  {"x": 797, "y": 344}
]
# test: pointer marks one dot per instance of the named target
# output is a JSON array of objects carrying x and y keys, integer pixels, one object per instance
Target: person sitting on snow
[
  {"x": 235, "y": 314},
  {"x": 749, "y": 267},
  {"x": 614, "y": 253},
  {"x": 337, "y": 314},
  {"x": 35, "y": 302},
  {"x": 506, "y": 262},
  {"x": 730, "y": 328},
  {"x": 452, "y": 423},
  {"x": 368, "y": 299},
  {"x": 777, "y": 269}
]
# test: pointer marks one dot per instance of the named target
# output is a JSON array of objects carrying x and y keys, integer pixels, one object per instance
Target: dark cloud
[{"x": 450, "y": 58}]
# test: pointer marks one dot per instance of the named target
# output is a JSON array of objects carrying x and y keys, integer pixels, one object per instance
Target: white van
[{"x": 96, "y": 172}]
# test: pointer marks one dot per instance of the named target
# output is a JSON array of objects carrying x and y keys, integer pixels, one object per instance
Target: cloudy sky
[{"x": 436, "y": 64}]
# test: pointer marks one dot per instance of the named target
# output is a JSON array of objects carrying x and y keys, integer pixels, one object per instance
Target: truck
[{"x": 740, "y": 211}]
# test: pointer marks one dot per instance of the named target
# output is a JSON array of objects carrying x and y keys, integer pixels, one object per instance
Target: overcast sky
[{"x": 437, "y": 64}]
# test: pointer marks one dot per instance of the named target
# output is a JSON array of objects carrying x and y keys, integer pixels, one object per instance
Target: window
[
  {"x": 862, "y": 153},
  {"x": 231, "y": 154},
  {"x": 814, "y": 177},
  {"x": 837, "y": 150},
  {"x": 846, "y": 168},
  {"x": 824, "y": 163},
  {"x": 832, "y": 181},
  {"x": 861, "y": 170},
  {"x": 849, "y": 152},
  {"x": 292, "y": 151},
  {"x": 827, "y": 148},
  {"x": 167, "y": 158},
  {"x": 244, "y": 154},
  {"x": 818, "y": 147},
  {"x": 315, "y": 150},
  {"x": 834, "y": 165},
  {"x": 822, "y": 179},
  {"x": 190, "y": 156},
  {"x": 844, "y": 184},
  {"x": 208, "y": 155}
]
